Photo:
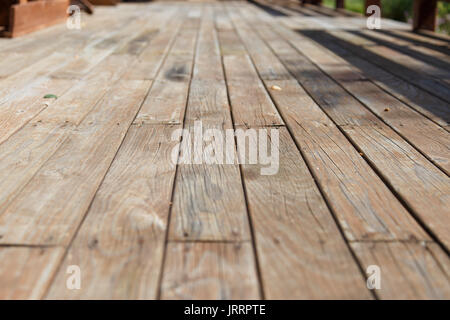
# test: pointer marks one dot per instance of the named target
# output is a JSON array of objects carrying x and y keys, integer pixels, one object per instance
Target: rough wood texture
[
  {"x": 397, "y": 161},
  {"x": 50, "y": 207},
  {"x": 210, "y": 271},
  {"x": 91, "y": 178},
  {"x": 297, "y": 239},
  {"x": 124, "y": 232},
  {"x": 208, "y": 201},
  {"x": 412, "y": 261},
  {"x": 25, "y": 273}
]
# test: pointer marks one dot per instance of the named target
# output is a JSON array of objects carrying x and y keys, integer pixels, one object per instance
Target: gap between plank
[{"x": 52, "y": 278}]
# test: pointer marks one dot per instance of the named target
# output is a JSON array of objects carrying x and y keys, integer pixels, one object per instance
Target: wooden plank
[
  {"x": 355, "y": 193},
  {"x": 209, "y": 271},
  {"x": 364, "y": 206},
  {"x": 30, "y": 51},
  {"x": 25, "y": 273},
  {"x": 208, "y": 201},
  {"x": 428, "y": 137},
  {"x": 406, "y": 170},
  {"x": 269, "y": 67},
  {"x": 28, "y": 149},
  {"x": 12, "y": 85},
  {"x": 16, "y": 112},
  {"x": 301, "y": 252},
  {"x": 420, "y": 39},
  {"x": 151, "y": 58},
  {"x": 431, "y": 106},
  {"x": 433, "y": 57},
  {"x": 405, "y": 261},
  {"x": 119, "y": 247},
  {"x": 166, "y": 101},
  {"x": 432, "y": 140},
  {"x": 150, "y": 181},
  {"x": 441, "y": 257},
  {"x": 251, "y": 104},
  {"x": 397, "y": 162},
  {"x": 94, "y": 54},
  {"x": 403, "y": 67},
  {"x": 50, "y": 207}
]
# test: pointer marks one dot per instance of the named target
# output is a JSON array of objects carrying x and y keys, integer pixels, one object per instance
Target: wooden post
[
  {"x": 424, "y": 14},
  {"x": 340, "y": 4},
  {"x": 316, "y": 2},
  {"x": 371, "y": 3}
]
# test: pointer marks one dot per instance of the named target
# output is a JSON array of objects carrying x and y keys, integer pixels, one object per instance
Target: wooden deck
[{"x": 87, "y": 179}]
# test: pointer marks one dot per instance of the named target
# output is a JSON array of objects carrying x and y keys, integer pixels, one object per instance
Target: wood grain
[
  {"x": 364, "y": 206},
  {"x": 208, "y": 201},
  {"x": 119, "y": 247},
  {"x": 250, "y": 102},
  {"x": 29, "y": 148},
  {"x": 301, "y": 251},
  {"x": 220, "y": 271},
  {"x": 50, "y": 207},
  {"x": 400, "y": 261},
  {"x": 25, "y": 273}
]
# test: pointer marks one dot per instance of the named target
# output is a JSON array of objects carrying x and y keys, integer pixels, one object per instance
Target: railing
[{"x": 424, "y": 11}]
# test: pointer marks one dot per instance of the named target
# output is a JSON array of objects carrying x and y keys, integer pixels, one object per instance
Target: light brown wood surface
[{"x": 94, "y": 178}]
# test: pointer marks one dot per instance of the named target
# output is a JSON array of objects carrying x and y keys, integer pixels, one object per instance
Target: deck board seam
[
  {"x": 374, "y": 168},
  {"x": 241, "y": 175},
  {"x": 169, "y": 215},
  {"x": 53, "y": 277}
]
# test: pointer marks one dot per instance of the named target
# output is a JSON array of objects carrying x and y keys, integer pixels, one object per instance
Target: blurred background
[{"x": 400, "y": 10}]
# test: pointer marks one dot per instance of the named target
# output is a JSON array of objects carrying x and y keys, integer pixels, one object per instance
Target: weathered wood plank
[
  {"x": 150, "y": 60},
  {"x": 9, "y": 87},
  {"x": 25, "y": 273},
  {"x": 403, "y": 66},
  {"x": 302, "y": 254},
  {"x": 431, "y": 106},
  {"x": 210, "y": 271},
  {"x": 208, "y": 199},
  {"x": 119, "y": 247},
  {"x": 16, "y": 112},
  {"x": 29, "y": 148},
  {"x": 51, "y": 206},
  {"x": 37, "y": 46},
  {"x": 428, "y": 137},
  {"x": 408, "y": 172},
  {"x": 400, "y": 261},
  {"x": 363, "y": 204},
  {"x": 166, "y": 101},
  {"x": 251, "y": 104},
  {"x": 92, "y": 55}
]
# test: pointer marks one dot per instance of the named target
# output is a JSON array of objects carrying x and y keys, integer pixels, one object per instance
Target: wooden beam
[
  {"x": 31, "y": 16},
  {"x": 104, "y": 2},
  {"x": 424, "y": 14},
  {"x": 340, "y": 4}
]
